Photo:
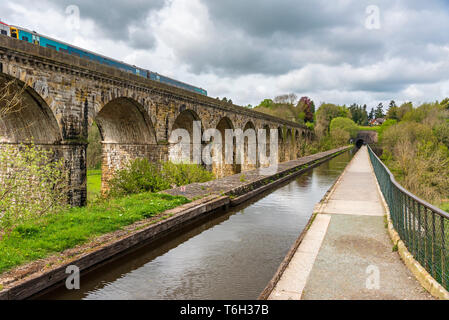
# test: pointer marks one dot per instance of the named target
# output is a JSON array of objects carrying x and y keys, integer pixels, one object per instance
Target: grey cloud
[{"x": 114, "y": 17}]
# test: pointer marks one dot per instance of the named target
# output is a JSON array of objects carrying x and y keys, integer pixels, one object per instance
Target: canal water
[{"x": 232, "y": 255}]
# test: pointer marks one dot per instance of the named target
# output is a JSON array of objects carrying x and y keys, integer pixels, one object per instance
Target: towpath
[{"x": 347, "y": 253}]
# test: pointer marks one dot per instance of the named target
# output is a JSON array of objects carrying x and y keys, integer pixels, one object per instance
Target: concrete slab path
[{"x": 347, "y": 253}]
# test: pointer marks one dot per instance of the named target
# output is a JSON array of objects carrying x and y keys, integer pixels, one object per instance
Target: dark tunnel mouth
[{"x": 360, "y": 143}]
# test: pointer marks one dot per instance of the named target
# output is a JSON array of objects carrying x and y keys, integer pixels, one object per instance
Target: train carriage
[
  {"x": 5, "y": 29},
  {"x": 44, "y": 41}
]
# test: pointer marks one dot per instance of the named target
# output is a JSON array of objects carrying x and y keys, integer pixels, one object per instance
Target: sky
[{"x": 341, "y": 51}]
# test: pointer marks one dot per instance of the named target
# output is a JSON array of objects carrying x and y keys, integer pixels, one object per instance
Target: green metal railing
[{"x": 422, "y": 227}]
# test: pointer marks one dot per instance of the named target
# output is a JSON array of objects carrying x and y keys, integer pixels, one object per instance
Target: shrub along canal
[{"x": 232, "y": 255}]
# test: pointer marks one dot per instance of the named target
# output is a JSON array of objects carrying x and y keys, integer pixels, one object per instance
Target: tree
[
  {"x": 325, "y": 114},
  {"x": 267, "y": 103},
  {"x": 392, "y": 112},
  {"x": 306, "y": 106},
  {"x": 403, "y": 110},
  {"x": 344, "y": 124},
  {"x": 379, "y": 113},
  {"x": 290, "y": 98},
  {"x": 359, "y": 114},
  {"x": 371, "y": 115},
  {"x": 445, "y": 103}
]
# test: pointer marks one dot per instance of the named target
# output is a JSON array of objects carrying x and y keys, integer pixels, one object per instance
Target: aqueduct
[{"x": 64, "y": 94}]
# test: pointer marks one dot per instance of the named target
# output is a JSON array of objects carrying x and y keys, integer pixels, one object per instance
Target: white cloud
[{"x": 252, "y": 50}]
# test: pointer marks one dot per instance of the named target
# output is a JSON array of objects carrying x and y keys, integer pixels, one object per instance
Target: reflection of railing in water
[{"x": 422, "y": 227}]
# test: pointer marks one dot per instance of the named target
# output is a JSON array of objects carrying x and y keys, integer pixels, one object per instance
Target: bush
[
  {"x": 184, "y": 174},
  {"x": 32, "y": 184},
  {"x": 138, "y": 177},
  {"x": 416, "y": 151},
  {"x": 344, "y": 124},
  {"x": 340, "y": 137},
  {"x": 142, "y": 176}
]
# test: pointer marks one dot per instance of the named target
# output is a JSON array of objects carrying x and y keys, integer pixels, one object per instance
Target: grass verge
[
  {"x": 55, "y": 233},
  {"x": 93, "y": 184}
]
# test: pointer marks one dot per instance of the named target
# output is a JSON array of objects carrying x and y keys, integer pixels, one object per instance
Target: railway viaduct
[{"x": 61, "y": 96}]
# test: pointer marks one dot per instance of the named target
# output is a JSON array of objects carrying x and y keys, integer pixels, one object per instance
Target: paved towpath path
[{"x": 347, "y": 253}]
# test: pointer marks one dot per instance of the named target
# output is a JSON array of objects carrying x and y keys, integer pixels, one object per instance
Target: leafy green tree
[
  {"x": 267, "y": 103},
  {"x": 392, "y": 112},
  {"x": 326, "y": 113},
  {"x": 403, "y": 110},
  {"x": 445, "y": 103},
  {"x": 371, "y": 115},
  {"x": 379, "y": 113},
  {"x": 345, "y": 124},
  {"x": 359, "y": 114}
]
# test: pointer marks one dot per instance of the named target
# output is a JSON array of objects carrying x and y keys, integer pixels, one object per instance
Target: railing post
[
  {"x": 419, "y": 234},
  {"x": 443, "y": 254},
  {"x": 426, "y": 247},
  {"x": 433, "y": 245}
]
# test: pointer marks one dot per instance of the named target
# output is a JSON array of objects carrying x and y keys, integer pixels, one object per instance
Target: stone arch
[
  {"x": 124, "y": 120},
  {"x": 185, "y": 120},
  {"x": 298, "y": 144},
  {"x": 221, "y": 168},
  {"x": 281, "y": 147},
  {"x": 267, "y": 133},
  {"x": 250, "y": 158},
  {"x": 31, "y": 120},
  {"x": 127, "y": 133},
  {"x": 288, "y": 145}
]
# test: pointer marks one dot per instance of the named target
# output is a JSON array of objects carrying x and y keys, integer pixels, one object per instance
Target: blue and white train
[{"x": 44, "y": 41}]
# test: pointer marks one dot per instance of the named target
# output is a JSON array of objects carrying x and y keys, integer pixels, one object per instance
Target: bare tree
[{"x": 11, "y": 95}]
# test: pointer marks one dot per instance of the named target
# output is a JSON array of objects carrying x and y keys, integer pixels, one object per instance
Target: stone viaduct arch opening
[
  {"x": 29, "y": 119},
  {"x": 222, "y": 169},
  {"x": 267, "y": 131},
  {"x": 185, "y": 120},
  {"x": 281, "y": 147},
  {"x": 126, "y": 134},
  {"x": 298, "y": 145},
  {"x": 288, "y": 145},
  {"x": 250, "y": 158}
]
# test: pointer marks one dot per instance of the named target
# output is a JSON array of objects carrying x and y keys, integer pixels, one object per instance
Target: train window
[
  {"x": 24, "y": 38},
  {"x": 4, "y": 33},
  {"x": 50, "y": 46},
  {"x": 63, "y": 50}
]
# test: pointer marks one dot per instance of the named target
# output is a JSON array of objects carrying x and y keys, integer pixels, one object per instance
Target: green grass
[
  {"x": 55, "y": 233},
  {"x": 93, "y": 184},
  {"x": 368, "y": 128},
  {"x": 445, "y": 206}
]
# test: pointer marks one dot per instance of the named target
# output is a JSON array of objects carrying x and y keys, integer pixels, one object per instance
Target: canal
[{"x": 233, "y": 255}]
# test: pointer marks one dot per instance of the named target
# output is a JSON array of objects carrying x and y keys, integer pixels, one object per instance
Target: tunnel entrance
[{"x": 360, "y": 143}]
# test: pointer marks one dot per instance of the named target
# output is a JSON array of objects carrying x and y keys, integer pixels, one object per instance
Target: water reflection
[{"x": 233, "y": 255}]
